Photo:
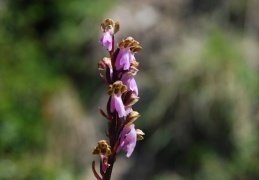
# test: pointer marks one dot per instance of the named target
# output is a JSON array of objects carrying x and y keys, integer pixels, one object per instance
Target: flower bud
[
  {"x": 130, "y": 99},
  {"x": 140, "y": 134},
  {"x": 131, "y": 118}
]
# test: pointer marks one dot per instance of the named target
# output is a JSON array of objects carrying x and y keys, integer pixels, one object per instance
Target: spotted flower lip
[{"x": 128, "y": 139}]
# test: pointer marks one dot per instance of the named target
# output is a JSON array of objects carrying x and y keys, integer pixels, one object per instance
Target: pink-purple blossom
[
  {"x": 106, "y": 40},
  {"x": 128, "y": 139},
  {"x": 117, "y": 105},
  {"x": 129, "y": 81},
  {"x": 124, "y": 58},
  {"x": 104, "y": 162}
]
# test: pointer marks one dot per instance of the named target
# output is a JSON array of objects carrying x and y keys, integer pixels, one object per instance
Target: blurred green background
[{"x": 199, "y": 88}]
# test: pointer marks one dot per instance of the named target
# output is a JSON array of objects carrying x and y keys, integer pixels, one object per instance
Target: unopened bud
[
  {"x": 131, "y": 118},
  {"x": 130, "y": 99},
  {"x": 140, "y": 134}
]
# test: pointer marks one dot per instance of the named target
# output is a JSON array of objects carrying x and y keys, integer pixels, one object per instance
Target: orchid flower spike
[{"x": 120, "y": 69}]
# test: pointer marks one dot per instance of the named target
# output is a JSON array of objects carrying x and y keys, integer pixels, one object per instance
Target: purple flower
[
  {"x": 130, "y": 82},
  {"x": 106, "y": 40},
  {"x": 128, "y": 139},
  {"x": 104, "y": 162},
  {"x": 103, "y": 149},
  {"x": 117, "y": 104},
  {"x": 124, "y": 58}
]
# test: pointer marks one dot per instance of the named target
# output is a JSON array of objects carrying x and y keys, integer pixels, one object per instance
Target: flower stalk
[{"x": 118, "y": 71}]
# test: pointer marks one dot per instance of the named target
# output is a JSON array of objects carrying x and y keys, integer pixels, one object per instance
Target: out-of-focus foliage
[
  {"x": 209, "y": 126},
  {"x": 200, "y": 108},
  {"x": 42, "y": 44}
]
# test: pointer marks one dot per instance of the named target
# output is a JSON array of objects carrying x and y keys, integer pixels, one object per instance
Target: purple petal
[
  {"x": 117, "y": 104},
  {"x": 130, "y": 82},
  {"x": 128, "y": 139},
  {"x": 106, "y": 40},
  {"x": 124, "y": 58},
  {"x": 104, "y": 162}
]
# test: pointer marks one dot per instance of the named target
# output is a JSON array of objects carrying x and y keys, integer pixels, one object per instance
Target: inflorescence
[{"x": 118, "y": 71}]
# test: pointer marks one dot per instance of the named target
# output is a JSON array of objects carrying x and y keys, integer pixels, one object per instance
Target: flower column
[{"x": 119, "y": 71}]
